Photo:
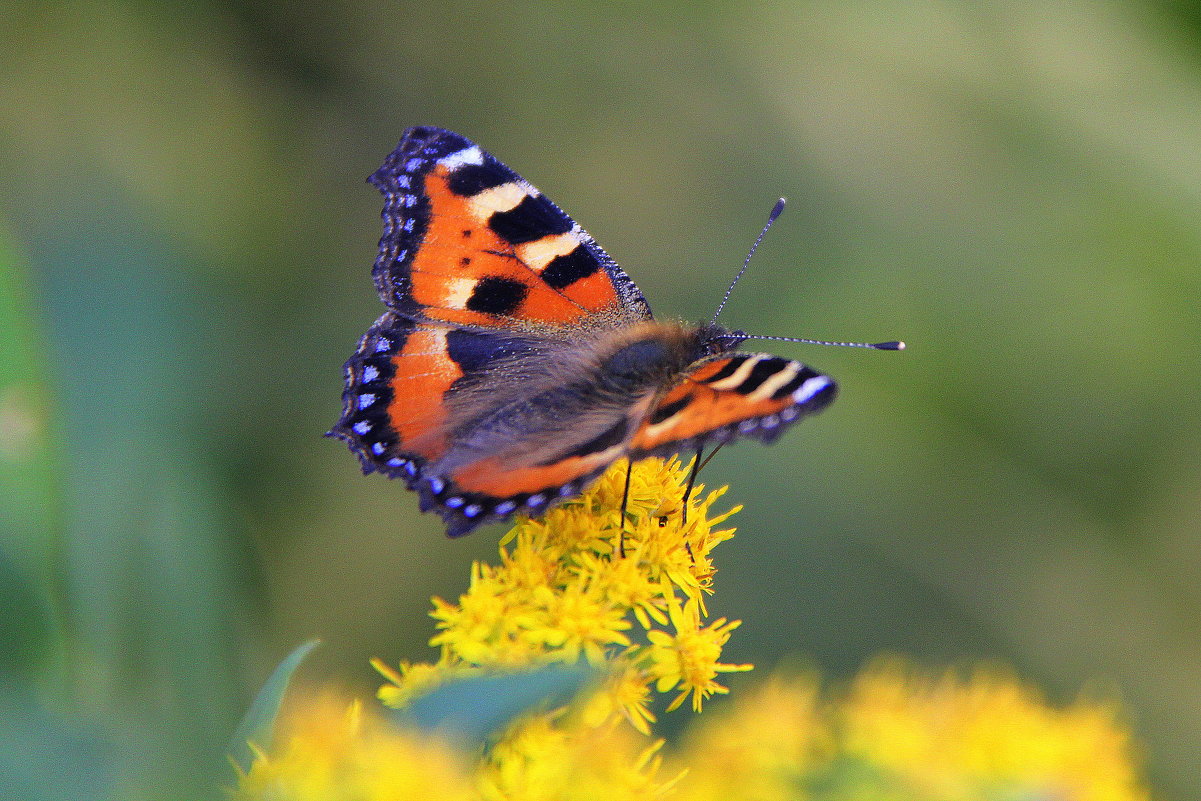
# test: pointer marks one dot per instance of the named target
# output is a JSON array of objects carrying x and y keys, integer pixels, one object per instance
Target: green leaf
[
  {"x": 259, "y": 723},
  {"x": 472, "y": 709}
]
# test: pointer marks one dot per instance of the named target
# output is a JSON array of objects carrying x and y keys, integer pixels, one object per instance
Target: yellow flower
[
  {"x": 688, "y": 659},
  {"x": 624, "y": 693},
  {"x": 771, "y": 741},
  {"x": 578, "y": 619},
  {"x": 948, "y": 735},
  {"x": 412, "y": 681},
  {"x": 899, "y": 735},
  {"x": 569, "y": 585},
  {"x": 553, "y": 760},
  {"x": 329, "y": 750}
]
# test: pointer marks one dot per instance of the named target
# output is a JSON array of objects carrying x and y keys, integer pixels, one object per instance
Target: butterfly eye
[{"x": 720, "y": 341}]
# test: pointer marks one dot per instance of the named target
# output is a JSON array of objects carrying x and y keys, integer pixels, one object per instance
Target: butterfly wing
[
  {"x": 729, "y": 396},
  {"x": 468, "y": 242},
  {"x": 482, "y": 423},
  {"x": 490, "y": 287}
]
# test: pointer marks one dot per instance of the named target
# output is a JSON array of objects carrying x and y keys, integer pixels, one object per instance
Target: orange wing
[
  {"x": 468, "y": 242},
  {"x": 732, "y": 395}
]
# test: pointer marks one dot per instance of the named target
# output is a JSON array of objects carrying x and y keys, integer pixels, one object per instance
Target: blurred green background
[{"x": 1014, "y": 188}]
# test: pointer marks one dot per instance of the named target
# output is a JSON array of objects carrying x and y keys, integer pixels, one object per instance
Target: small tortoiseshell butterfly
[{"x": 517, "y": 361}]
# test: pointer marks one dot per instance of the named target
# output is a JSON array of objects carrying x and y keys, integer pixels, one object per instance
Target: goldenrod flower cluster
[
  {"x": 898, "y": 733},
  {"x": 894, "y": 733},
  {"x": 627, "y": 597},
  {"x": 328, "y": 749},
  {"x": 581, "y": 583}
]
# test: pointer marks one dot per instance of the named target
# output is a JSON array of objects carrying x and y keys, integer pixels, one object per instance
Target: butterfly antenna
[
  {"x": 894, "y": 345},
  {"x": 776, "y": 211}
]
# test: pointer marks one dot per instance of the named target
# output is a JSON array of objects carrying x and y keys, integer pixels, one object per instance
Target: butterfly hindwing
[
  {"x": 367, "y": 423},
  {"x": 406, "y": 384},
  {"x": 729, "y": 396},
  {"x": 469, "y": 242},
  {"x": 482, "y": 422}
]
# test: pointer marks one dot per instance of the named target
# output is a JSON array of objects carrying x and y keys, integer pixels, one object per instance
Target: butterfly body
[{"x": 517, "y": 361}]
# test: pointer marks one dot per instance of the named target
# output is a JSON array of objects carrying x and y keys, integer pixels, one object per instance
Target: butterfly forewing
[{"x": 469, "y": 242}]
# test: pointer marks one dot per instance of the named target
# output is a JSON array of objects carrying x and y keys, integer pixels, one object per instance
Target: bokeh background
[{"x": 185, "y": 245}]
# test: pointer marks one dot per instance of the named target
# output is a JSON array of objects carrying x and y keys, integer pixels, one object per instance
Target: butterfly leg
[
  {"x": 625, "y": 501},
  {"x": 697, "y": 465},
  {"x": 696, "y": 468}
]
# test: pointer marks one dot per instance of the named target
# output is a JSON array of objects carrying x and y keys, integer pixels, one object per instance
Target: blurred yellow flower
[
  {"x": 564, "y": 760},
  {"x": 330, "y": 750},
  {"x": 954, "y": 737},
  {"x": 767, "y": 745},
  {"x": 893, "y": 734},
  {"x": 896, "y": 733}
]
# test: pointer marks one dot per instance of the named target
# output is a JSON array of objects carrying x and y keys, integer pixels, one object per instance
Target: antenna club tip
[
  {"x": 776, "y": 210},
  {"x": 889, "y": 346}
]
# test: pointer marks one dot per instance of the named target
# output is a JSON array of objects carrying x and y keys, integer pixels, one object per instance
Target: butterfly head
[{"x": 713, "y": 339}]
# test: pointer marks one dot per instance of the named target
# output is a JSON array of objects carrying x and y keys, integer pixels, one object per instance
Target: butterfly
[{"x": 516, "y": 361}]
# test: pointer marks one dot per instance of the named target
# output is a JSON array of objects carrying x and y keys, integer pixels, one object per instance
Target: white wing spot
[
  {"x": 470, "y": 155},
  {"x": 541, "y": 252},
  {"x": 505, "y": 197},
  {"x": 810, "y": 388},
  {"x": 458, "y": 292}
]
